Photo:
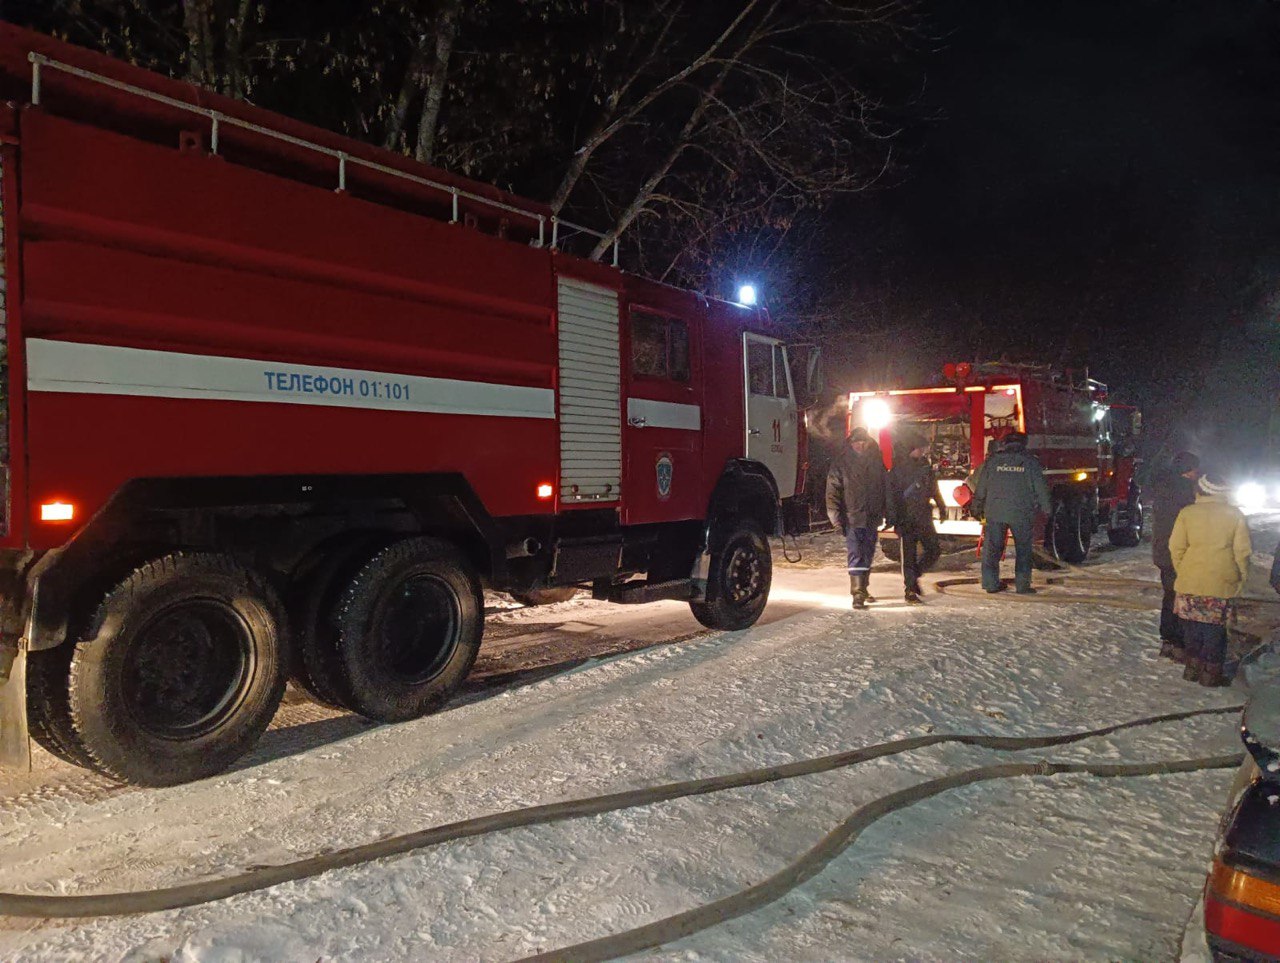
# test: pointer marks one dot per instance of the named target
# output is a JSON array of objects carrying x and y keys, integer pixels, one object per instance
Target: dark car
[{"x": 1242, "y": 893}]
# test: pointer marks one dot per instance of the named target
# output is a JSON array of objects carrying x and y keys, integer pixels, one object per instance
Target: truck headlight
[{"x": 1251, "y": 497}]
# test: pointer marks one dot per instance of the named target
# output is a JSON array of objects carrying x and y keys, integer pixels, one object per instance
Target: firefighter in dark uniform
[
  {"x": 1010, "y": 491},
  {"x": 915, "y": 488},
  {"x": 857, "y": 503}
]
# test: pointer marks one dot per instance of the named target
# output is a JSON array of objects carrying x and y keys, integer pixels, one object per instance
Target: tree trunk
[
  {"x": 237, "y": 72},
  {"x": 400, "y": 112},
  {"x": 195, "y": 23},
  {"x": 578, "y": 164},
  {"x": 446, "y": 32}
]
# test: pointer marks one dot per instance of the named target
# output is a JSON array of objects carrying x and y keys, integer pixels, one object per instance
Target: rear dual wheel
[{"x": 406, "y": 630}]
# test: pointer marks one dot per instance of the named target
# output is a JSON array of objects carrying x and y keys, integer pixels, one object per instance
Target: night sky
[{"x": 1089, "y": 183}]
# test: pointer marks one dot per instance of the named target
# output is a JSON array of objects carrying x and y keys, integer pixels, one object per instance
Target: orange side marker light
[{"x": 57, "y": 512}]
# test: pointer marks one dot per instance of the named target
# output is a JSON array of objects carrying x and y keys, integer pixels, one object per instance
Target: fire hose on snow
[{"x": 679, "y": 925}]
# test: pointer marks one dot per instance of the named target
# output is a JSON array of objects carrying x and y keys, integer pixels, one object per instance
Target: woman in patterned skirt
[{"x": 1210, "y": 550}]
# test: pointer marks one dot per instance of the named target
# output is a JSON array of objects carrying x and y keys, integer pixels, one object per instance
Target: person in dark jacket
[
  {"x": 914, "y": 488},
  {"x": 1173, "y": 491},
  {"x": 1010, "y": 490},
  {"x": 857, "y": 503}
]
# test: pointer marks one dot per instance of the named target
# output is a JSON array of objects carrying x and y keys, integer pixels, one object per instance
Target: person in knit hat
[
  {"x": 1173, "y": 490},
  {"x": 1210, "y": 550},
  {"x": 857, "y": 502}
]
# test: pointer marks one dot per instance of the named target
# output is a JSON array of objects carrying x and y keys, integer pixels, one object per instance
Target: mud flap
[
  {"x": 15, "y": 743},
  {"x": 701, "y": 572}
]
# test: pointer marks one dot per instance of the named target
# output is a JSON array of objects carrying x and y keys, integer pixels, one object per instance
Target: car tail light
[{"x": 1243, "y": 909}]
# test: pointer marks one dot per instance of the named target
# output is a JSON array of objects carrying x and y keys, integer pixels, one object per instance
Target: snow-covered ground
[{"x": 1064, "y": 867}]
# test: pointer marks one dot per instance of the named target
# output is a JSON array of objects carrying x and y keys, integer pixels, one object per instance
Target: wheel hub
[
  {"x": 745, "y": 576},
  {"x": 188, "y": 668},
  {"x": 416, "y": 628}
]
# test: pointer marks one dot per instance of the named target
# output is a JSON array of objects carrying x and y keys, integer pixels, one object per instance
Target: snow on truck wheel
[
  {"x": 738, "y": 582},
  {"x": 407, "y": 629},
  {"x": 179, "y": 672}
]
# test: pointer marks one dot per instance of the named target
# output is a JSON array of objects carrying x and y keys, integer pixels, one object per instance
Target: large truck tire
[
  {"x": 49, "y": 707},
  {"x": 1069, "y": 535},
  {"x": 314, "y": 663},
  {"x": 738, "y": 581},
  {"x": 180, "y": 671},
  {"x": 1130, "y": 535},
  {"x": 408, "y": 629},
  {"x": 545, "y": 596}
]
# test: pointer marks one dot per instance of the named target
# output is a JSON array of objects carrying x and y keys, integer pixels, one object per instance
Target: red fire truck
[
  {"x": 1086, "y": 444},
  {"x": 278, "y": 404}
]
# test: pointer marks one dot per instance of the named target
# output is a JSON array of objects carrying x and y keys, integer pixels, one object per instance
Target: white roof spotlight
[{"x": 747, "y": 295}]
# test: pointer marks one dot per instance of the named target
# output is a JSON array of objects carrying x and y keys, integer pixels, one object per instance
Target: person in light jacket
[{"x": 1210, "y": 550}]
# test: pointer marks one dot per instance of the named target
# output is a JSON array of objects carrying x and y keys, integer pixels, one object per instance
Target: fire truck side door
[
  {"x": 662, "y": 440},
  {"x": 772, "y": 417}
]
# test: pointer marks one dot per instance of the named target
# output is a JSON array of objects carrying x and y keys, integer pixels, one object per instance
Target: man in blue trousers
[
  {"x": 857, "y": 503},
  {"x": 1010, "y": 490}
]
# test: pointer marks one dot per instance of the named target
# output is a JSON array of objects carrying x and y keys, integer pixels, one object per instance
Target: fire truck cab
[
  {"x": 1087, "y": 445},
  {"x": 276, "y": 404}
]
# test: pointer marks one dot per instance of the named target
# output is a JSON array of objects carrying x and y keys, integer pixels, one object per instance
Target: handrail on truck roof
[{"x": 219, "y": 119}]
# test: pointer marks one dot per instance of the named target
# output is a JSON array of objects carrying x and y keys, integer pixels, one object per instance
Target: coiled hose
[{"x": 682, "y": 924}]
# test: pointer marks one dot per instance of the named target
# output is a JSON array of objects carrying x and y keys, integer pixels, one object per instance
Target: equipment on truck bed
[
  {"x": 1086, "y": 443},
  {"x": 278, "y": 404}
]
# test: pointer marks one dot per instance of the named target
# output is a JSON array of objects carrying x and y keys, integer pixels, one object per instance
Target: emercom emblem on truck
[{"x": 665, "y": 469}]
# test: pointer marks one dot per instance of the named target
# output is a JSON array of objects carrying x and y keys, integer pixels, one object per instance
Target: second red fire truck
[{"x": 1086, "y": 443}]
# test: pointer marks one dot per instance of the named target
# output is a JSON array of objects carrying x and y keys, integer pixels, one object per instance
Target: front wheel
[
  {"x": 738, "y": 582},
  {"x": 180, "y": 671}
]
